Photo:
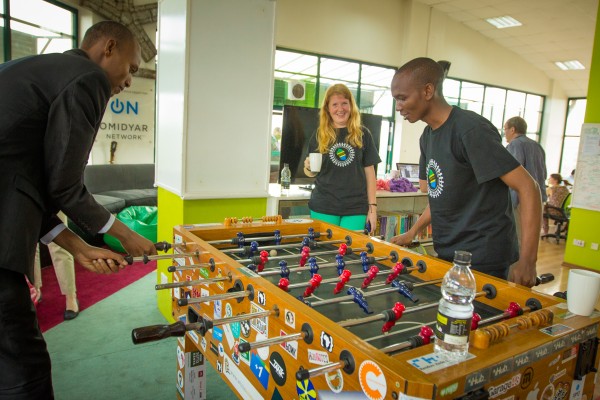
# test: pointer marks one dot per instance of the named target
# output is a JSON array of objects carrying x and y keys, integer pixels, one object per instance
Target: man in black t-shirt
[{"x": 467, "y": 173}]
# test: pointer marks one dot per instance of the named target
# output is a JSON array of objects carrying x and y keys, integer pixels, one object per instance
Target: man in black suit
[{"x": 51, "y": 107}]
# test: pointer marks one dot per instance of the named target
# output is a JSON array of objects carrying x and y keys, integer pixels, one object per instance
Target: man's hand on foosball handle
[{"x": 405, "y": 239}]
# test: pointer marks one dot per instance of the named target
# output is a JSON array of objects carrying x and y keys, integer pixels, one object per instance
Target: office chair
[{"x": 560, "y": 216}]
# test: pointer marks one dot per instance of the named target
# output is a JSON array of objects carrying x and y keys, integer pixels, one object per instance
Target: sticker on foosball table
[
  {"x": 432, "y": 362},
  {"x": 260, "y": 325},
  {"x": 221, "y": 349},
  {"x": 569, "y": 354},
  {"x": 245, "y": 357},
  {"x": 448, "y": 390},
  {"x": 318, "y": 357},
  {"x": 263, "y": 352},
  {"x": 556, "y": 330},
  {"x": 257, "y": 366},
  {"x": 218, "y": 309},
  {"x": 501, "y": 369},
  {"x": 276, "y": 395},
  {"x": 180, "y": 379},
  {"x": 180, "y": 357},
  {"x": 203, "y": 343},
  {"x": 335, "y": 380},
  {"x": 262, "y": 298},
  {"x": 327, "y": 341},
  {"x": 306, "y": 390},
  {"x": 277, "y": 368},
  {"x": 193, "y": 336},
  {"x": 219, "y": 367},
  {"x": 229, "y": 340},
  {"x": 245, "y": 328},
  {"x": 299, "y": 220},
  {"x": 217, "y": 333},
  {"x": 504, "y": 387},
  {"x": 235, "y": 353},
  {"x": 220, "y": 275},
  {"x": 205, "y": 274},
  {"x": 239, "y": 381},
  {"x": 204, "y": 293},
  {"x": 372, "y": 380},
  {"x": 290, "y": 347},
  {"x": 290, "y": 318},
  {"x": 527, "y": 378},
  {"x": 577, "y": 389},
  {"x": 214, "y": 349}
]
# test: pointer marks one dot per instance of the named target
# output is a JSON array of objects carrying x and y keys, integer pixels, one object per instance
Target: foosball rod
[
  {"x": 207, "y": 324},
  {"x": 157, "y": 332},
  {"x": 392, "y": 315},
  {"x": 277, "y": 246},
  {"x": 146, "y": 258},
  {"x": 172, "y": 285},
  {"x": 329, "y": 280},
  {"x": 346, "y": 363},
  {"x": 306, "y": 334},
  {"x": 257, "y": 260},
  {"x": 299, "y": 268},
  {"x": 236, "y": 240},
  {"x": 370, "y": 294},
  {"x": 210, "y": 264},
  {"x": 223, "y": 296}
]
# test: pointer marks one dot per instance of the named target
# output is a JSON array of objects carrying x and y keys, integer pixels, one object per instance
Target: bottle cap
[{"x": 462, "y": 257}]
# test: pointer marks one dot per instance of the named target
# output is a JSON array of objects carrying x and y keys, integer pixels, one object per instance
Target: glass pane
[
  {"x": 451, "y": 89},
  {"x": 42, "y": 14},
  {"x": 376, "y": 76},
  {"x": 471, "y": 97},
  {"x": 533, "y": 112},
  {"x": 1, "y": 8},
  {"x": 2, "y": 41},
  {"x": 515, "y": 104},
  {"x": 376, "y": 100},
  {"x": 339, "y": 70},
  {"x": 575, "y": 116},
  {"x": 493, "y": 108},
  {"x": 295, "y": 62},
  {"x": 569, "y": 156},
  {"x": 46, "y": 45},
  {"x": 325, "y": 83}
]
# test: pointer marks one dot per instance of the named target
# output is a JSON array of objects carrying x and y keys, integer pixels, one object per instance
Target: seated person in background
[
  {"x": 345, "y": 188},
  {"x": 557, "y": 193}
]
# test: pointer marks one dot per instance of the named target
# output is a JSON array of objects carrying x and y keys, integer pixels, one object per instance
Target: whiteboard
[{"x": 586, "y": 191}]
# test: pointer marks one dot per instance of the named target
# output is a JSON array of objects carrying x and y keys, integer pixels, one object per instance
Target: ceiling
[{"x": 552, "y": 30}]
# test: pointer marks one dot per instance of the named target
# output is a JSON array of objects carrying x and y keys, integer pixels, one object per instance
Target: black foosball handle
[
  {"x": 162, "y": 246},
  {"x": 544, "y": 278},
  {"x": 157, "y": 332}
]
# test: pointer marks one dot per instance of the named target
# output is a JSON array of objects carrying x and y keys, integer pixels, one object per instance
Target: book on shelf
[{"x": 392, "y": 223}]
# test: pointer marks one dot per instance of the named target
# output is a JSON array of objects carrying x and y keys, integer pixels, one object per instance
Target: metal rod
[
  {"x": 276, "y": 271},
  {"x": 328, "y": 280},
  {"x": 174, "y": 268},
  {"x": 276, "y": 340},
  {"x": 172, "y": 285},
  {"x": 320, "y": 253},
  {"x": 215, "y": 297},
  {"x": 243, "y": 317},
  {"x": 326, "y": 368},
  {"x": 379, "y": 317},
  {"x": 416, "y": 325},
  {"x": 396, "y": 347},
  {"x": 146, "y": 258},
  {"x": 264, "y": 238}
]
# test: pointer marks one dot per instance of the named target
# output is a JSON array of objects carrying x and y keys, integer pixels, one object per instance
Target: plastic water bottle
[
  {"x": 286, "y": 178},
  {"x": 455, "y": 309}
]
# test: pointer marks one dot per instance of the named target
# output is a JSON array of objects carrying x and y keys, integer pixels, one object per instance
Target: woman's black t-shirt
[{"x": 341, "y": 185}]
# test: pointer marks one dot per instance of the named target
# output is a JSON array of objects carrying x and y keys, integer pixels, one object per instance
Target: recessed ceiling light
[
  {"x": 504, "y": 22},
  {"x": 567, "y": 65}
]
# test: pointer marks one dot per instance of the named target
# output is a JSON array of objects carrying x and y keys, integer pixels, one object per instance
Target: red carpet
[{"x": 91, "y": 288}]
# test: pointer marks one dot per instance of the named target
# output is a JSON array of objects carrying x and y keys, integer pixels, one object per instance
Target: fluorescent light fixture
[
  {"x": 567, "y": 65},
  {"x": 504, "y": 22}
]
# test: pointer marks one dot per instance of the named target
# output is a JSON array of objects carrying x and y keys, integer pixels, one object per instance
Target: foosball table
[{"x": 286, "y": 309}]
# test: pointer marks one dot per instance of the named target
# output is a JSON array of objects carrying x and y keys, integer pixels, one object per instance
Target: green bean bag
[{"x": 140, "y": 219}]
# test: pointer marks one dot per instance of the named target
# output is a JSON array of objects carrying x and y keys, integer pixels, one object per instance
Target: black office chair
[{"x": 560, "y": 216}]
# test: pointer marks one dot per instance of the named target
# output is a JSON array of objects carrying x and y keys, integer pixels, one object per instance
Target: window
[
  {"x": 369, "y": 83},
  {"x": 497, "y": 104},
  {"x": 37, "y": 27},
  {"x": 570, "y": 146}
]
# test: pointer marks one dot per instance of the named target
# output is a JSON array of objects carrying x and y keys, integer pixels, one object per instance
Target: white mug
[
  {"x": 315, "y": 161},
  {"x": 583, "y": 288}
]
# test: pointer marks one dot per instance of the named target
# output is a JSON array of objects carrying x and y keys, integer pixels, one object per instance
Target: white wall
[{"x": 392, "y": 32}]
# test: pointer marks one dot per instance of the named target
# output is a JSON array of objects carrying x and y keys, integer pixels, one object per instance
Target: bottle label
[
  {"x": 452, "y": 330},
  {"x": 285, "y": 185}
]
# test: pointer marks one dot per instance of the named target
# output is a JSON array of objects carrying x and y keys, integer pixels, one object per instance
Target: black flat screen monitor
[{"x": 298, "y": 126}]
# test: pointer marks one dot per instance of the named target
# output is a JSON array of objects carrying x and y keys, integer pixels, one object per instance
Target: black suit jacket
[{"x": 51, "y": 107}]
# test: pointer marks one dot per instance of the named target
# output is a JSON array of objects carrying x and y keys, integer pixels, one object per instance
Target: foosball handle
[
  {"x": 157, "y": 332},
  {"x": 162, "y": 246},
  {"x": 544, "y": 278}
]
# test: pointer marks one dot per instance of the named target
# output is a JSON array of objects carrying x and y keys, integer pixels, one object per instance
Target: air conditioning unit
[{"x": 296, "y": 90}]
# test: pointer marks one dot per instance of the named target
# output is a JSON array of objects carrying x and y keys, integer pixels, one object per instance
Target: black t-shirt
[
  {"x": 470, "y": 206},
  {"x": 341, "y": 185}
]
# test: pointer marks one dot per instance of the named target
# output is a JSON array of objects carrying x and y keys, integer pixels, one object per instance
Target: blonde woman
[{"x": 345, "y": 188}]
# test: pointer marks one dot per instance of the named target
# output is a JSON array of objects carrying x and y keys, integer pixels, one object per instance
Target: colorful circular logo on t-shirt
[
  {"x": 435, "y": 179},
  {"x": 341, "y": 154}
]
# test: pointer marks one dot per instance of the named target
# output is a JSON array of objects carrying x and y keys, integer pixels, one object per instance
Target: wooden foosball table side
[{"x": 520, "y": 363}]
